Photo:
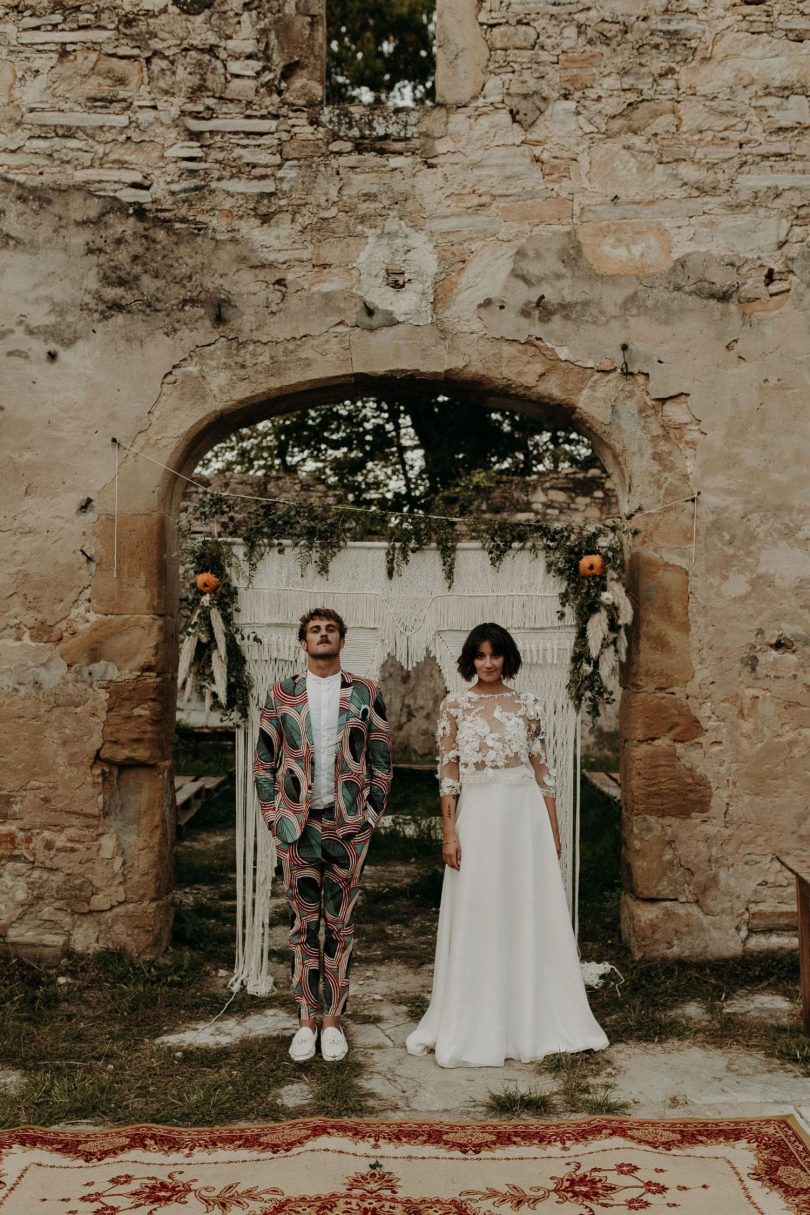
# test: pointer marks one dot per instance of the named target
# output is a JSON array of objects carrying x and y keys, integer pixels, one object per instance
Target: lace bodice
[{"x": 482, "y": 731}]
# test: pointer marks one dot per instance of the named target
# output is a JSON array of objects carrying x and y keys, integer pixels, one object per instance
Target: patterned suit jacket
[{"x": 283, "y": 764}]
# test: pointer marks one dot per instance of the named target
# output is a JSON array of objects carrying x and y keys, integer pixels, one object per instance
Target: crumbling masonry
[{"x": 192, "y": 241}]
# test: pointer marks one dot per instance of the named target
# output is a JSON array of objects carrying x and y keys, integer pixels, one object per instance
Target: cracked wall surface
[{"x": 603, "y": 221}]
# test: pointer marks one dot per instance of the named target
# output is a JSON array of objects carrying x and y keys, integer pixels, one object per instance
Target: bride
[{"x": 506, "y": 981}]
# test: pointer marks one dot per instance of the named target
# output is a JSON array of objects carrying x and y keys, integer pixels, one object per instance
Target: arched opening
[
  {"x": 208, "y": 399},
  {"x": 408, "y": 447}
]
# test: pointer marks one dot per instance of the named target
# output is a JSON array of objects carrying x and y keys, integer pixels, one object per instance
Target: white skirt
[{"x": 506, "y": 981}]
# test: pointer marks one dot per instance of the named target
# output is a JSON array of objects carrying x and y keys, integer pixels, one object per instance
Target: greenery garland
[{"x": 319, "y": 532}]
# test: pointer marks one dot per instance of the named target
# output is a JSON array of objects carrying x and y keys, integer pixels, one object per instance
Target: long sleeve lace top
[{"x": 482, "y": 731}]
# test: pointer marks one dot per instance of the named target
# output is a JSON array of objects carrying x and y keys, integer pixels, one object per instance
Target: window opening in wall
[{"x": 380, "y": 52}]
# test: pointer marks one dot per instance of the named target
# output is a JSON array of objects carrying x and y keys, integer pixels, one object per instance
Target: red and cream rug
[{"x": 319, "y": 1167}]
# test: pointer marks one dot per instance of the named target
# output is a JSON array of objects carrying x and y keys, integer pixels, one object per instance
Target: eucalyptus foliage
[{"x": 319, "y": 532}]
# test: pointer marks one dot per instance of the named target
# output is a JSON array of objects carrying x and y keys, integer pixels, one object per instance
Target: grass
[
  {"x": 337, "y": 1090},
  {"x": 511, "y": 1102},
  {"x": 416, "y": 1006},
  {"x": 577, "y": 1090},
  {"x": 85, "y": 1046}
]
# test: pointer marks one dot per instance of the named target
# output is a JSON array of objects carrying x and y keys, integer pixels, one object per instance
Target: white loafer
[
  {"x": 334, "y": 1046},
  {"x": 302, "y": 1046}
]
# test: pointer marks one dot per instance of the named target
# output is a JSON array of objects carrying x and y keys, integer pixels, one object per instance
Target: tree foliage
[
  {"x": 403, "y": 451},
  {"x": 380, "y": 51}
]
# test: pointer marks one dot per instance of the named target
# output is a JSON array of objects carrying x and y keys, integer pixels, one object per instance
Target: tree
[
  {"x": 401, "y": 450},
  {"x": 380, "y": 51}
]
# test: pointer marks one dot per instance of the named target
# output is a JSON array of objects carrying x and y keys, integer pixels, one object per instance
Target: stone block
[
  {"x": 139, "y": 724},
  {"x": 659, "y": 655},
  {"x": 49, "y": 746},
  {"x": 88, "y": 75},
  {"x": 579, "y": 70},
  {"x": 780, "y": 112},
  {"x": 248, "y": 185},
  {"x": 65, "y": 36},
  {"x": 461, "y": 53},
  {"x": 772, "y": 919},
  {"x": 525, "y": 108},
  {"x": 391, "y": 350},
  {"x": 245, "y": 126},
  {"x": 513, "y": 37},
  {"x": 142, "y": 930},
  {"x": 646, "y": 716},
  {"x": 140, "y": 814},
  {"x": 651, "y": 868},
  {"x": 664, "y": 928},
  {"x": 655, "y": 781},
  {"x": 241, "y": 90},
  {"x": 26, "y": 940},
  {"x": 8, "y": 78},
  {"x": 300, "y": 42},
  {"x": 538, "y": 212},
  {"x": 136, "y": 586},
  {"x": 131, "y": 643},
  {"x": 626, "y": 246},
  {"x": 74, "y": 118},
  {"x": 740, "y": 62},
  {"x": 636, "y": 118}
]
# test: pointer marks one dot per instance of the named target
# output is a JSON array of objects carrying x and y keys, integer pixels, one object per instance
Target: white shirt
[{"x": 323, "y": 696}]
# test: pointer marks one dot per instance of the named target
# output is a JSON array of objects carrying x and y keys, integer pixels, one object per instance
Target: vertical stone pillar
[
  {"x": 134, "y": 633},
  {"x": 301, "y": 45},
  {"x": 462, "y": 54},
  {"x": 659, "y": 789}
]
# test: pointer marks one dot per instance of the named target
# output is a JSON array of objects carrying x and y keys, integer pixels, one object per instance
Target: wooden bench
[
  {"x": 799, "y": 866},
  {"x": 190, "y": 792},
  {"x": 605, "y": 782}
]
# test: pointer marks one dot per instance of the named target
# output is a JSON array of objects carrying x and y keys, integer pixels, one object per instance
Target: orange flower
[
  {"x": 207, "y": 583},
  {"x": 591, "y": 565}
]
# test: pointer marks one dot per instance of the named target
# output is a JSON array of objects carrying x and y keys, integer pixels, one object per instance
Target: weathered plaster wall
[{"x": 189, "y": 239}]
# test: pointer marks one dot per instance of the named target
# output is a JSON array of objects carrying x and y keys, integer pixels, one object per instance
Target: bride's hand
[{"x": 451, "y": 851}]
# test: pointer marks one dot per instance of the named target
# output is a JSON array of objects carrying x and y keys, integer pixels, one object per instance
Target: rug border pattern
[{"x": 780, "y": 1147}]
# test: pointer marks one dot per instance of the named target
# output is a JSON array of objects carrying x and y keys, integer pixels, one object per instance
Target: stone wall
[{"x": 603, "y": 222}]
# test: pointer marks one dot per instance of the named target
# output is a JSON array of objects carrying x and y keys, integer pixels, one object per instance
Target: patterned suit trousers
[{"x": 321, "y": 868}]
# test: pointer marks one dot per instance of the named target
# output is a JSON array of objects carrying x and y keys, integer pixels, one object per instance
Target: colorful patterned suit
[{"x": 322, "y": 852}]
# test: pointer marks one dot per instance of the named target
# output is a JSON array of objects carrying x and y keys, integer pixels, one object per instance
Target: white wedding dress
[{"x": 506, "y": 981}]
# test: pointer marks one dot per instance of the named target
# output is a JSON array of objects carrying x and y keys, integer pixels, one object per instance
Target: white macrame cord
[{"x": 407, "y": 617}]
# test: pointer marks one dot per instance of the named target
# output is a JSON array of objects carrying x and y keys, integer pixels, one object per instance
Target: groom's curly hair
[
  {"x": 320, "y": 614},
  {"x": 503, "y": 644}
]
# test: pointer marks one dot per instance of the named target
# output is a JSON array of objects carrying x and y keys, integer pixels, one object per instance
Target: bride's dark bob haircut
[{"x": 503, "y": 645}]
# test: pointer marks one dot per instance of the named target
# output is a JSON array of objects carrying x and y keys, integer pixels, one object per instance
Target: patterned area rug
[{"x": 318, "y": 1167}]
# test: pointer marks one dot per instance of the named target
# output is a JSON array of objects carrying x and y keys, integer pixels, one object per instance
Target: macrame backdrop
[{"x": 408, "y": 617}]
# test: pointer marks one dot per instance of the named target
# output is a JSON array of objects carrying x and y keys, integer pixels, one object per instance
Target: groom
[{"x": 323, "y": 772}]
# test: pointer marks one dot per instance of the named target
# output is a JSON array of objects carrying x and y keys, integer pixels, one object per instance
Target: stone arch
[{"x": 224, "y": 385}]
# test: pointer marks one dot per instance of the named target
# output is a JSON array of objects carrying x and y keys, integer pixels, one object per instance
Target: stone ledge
[{"x": 74, "y": 118}]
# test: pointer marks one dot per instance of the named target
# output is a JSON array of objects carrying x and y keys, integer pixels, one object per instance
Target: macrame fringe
[
  {"x": 255, "y": 866},
  {"x": 408, "y": 618}
]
